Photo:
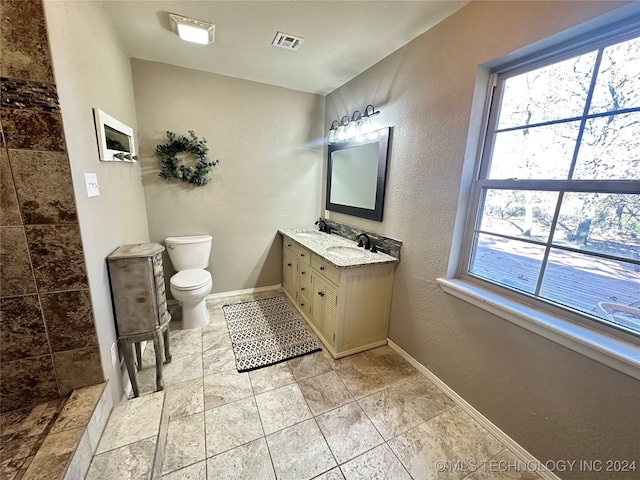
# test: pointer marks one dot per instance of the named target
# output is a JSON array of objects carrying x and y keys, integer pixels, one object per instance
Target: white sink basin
[
  {"x": 308, "y": 234},
  {"x": 345, "y": 252}
]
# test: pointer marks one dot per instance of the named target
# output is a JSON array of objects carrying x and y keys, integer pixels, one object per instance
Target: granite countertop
[{"x": 319, "y": 242}]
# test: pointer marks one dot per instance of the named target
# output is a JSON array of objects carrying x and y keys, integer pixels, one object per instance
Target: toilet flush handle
[{"x": 171, "y": 246}]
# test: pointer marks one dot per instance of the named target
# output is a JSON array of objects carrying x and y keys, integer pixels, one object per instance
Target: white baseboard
[
  {"x": 505, "y": 439},
  {"x": 246, "y": 291}
]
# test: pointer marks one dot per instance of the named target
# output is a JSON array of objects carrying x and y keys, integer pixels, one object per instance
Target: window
[{"x": 555, "y": 213}]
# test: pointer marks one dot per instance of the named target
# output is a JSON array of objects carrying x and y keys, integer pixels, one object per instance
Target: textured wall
[
  {"x": 269, "y": 142},
  {"x": 93, "y": 70},
  {"x": 553, "y": 401},
  {"x": 48, "y": 340}
]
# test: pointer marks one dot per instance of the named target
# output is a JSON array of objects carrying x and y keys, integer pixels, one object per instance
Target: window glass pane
[
  {"x": 610, "y": 148},
  {"x": 600, "y": 222},
  {"x": 590, "y": 261},
  {"x": 605, "y": 288},
  {"x": 618, "y": 82},
  {"x": 507, "y": 262},
  {"x": 549, "y": 93},
  {"x": 538, "y": 152},
  {"x": 519, "y": 213}
]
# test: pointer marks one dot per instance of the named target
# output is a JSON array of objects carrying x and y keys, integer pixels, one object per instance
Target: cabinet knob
[
  {"x": 302, "y": 288},
  {"x": 302, "y": 304},
  {"x": 288, "y": 264},
  {"x": 321, "y": 268},
  {"x": 321, "y": 294},
  {"x": 302, "y": 254},
  {"x": 301, "y": 273},
  {"x": 288, "y": 244}
]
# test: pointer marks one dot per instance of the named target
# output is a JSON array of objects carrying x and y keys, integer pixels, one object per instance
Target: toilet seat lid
[{"x": 190, "y": 279}]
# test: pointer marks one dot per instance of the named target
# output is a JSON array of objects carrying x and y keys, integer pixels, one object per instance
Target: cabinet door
[
  {"x": 317, "y": 301},
  {"x": 329, "y": 313},
  {"x": 323, "y": 311},
  {"x": 158, "y": 274},
  {"x": 133, "y": 287},
  {"x": 290, "y": 273}
]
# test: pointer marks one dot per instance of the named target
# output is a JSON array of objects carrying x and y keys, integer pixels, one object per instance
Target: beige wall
[
  {"x": 553, "y": 401},
  {"x": 269, "y": 143},
  {"x": 93, "y": 70}
]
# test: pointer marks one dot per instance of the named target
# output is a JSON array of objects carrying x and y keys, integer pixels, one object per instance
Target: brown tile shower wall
[{"x": 48, "y": 342}]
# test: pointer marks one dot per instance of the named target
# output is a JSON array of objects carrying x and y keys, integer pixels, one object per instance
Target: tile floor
[
  {"x": 366, "y": 416},
  {"x": 53, "y": 440}
]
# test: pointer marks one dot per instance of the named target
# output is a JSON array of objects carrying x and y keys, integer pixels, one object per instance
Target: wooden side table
[
  {"x": 140, "y": 305},
  {"x": 160, "y": 339}
]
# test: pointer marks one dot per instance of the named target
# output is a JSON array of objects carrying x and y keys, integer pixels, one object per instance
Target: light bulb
[
  {"x": 193, "y": 34},
  {"x": 365, "y": 125},
  {"x": 351, "y": 130}
]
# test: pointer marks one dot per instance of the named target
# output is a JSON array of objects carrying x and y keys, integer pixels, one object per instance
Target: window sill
[{"x": 613, "y": 352}]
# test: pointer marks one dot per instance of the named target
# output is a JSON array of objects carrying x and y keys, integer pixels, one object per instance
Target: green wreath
[{"x": 171, "y": 168}]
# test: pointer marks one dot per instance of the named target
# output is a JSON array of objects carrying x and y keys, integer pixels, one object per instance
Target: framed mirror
[{"x": 357, "y": 174}]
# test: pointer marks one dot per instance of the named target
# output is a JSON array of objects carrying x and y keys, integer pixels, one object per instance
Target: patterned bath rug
[{"x": 265, "y": 332}]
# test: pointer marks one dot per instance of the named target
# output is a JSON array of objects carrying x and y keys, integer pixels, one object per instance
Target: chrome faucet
[
  {"x": 364, "y": 241},
  {"x": 322, "y": 225}
]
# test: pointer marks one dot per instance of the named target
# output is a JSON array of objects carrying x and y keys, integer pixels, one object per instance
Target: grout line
[
  {"x": 204, "y": 411},
  {"x": 420, "y": 368},
  {"x": 505, "y": 439}
]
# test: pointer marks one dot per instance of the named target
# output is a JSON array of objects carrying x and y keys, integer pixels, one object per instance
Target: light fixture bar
[
  {"x": 191, "y": 30},
  {"x": 357, "y": 125}
]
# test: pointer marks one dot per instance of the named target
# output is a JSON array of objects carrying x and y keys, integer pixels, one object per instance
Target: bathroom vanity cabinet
[{"x": 347, "y": 307}]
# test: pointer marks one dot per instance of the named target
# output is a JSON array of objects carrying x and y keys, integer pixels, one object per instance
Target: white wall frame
[{"x": 110, "y": 130}]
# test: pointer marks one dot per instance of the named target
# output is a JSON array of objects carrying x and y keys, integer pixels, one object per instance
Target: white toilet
[{"x": 192, "y": 283}]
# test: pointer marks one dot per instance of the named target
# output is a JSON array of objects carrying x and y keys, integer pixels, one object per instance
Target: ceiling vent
[{"x": 284, "y": 40}]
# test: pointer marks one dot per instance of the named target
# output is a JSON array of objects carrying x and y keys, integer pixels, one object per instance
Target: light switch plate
[{"x": 91, "y": 180}]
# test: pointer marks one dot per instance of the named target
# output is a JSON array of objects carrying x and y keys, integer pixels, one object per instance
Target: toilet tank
[{"x": 189, "y": 252}]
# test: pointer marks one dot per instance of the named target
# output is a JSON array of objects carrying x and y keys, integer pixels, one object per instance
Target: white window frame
[{"x": 609, "y": 345}]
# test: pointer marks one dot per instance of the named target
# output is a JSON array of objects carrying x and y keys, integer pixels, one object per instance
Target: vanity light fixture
[
  {"x": 353, "y": 127},
  {"x": 356, "y": 126},
  {"x": 366, "y": 126},
  {"x": 191, "y": 30},
  {"x": 332, "y": 131},
  {"x": 341, "y": 133}
]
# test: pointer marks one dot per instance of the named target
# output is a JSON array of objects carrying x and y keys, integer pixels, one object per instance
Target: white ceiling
[{"x": 341, "y": 38}]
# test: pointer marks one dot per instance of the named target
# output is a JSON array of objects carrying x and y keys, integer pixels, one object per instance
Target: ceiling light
[{"x": 191, "y": 30}]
